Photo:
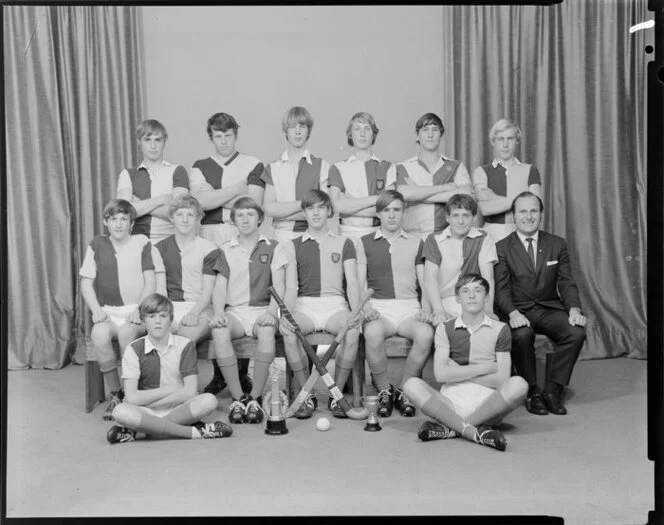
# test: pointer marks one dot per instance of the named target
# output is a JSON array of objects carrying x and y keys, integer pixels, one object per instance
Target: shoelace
[
  {"x": 126, "y": 435},
  {"x": 254, "y": 406},
  {"x": 439, "y": 432},
  {"x": 385, "y": 395},
  {"x": 403, "y": 399},
  {"x": 237, "y": 404}
]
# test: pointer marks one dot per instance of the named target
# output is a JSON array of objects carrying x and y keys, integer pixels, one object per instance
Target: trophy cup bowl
[
  {"x": 276, "y": 423},
  {"x": 371, "y": 404}
]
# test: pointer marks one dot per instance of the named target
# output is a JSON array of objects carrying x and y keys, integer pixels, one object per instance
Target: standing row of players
[{"x": 318, "y": 285}]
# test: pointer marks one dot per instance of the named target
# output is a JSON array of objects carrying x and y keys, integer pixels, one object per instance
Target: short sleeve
[
  {"x": 488, "y": 252},
  {"x": 221, "y": 265},
  {"x": 197, "y": 182},
  {"x": 419, "y": 257},
  {"x": 180, "y": 177},
  {"x": 441, "y": 342},
  {"x": 334, "y": 179},
  {"x": 348, "y": 250},
  {"x": 391, "y": 177},
  {"x": 534, "y": 176},
  {"x": 266, "y": 176},
  {"x": 462, "y": 177},
  {"x": 431, "y": 251},
  {"x": 147, "y": 263},
  {"x": 402, "y": 175},
  {"x": 361, "y": 253},
  {"x": 504, "y": 340},
  {"x": 124, "y": 183},
  {"x": 479, "y": 176},
  {"x": 210, "y": 262},
  {"x": 189, "y": 360},
  {"x": 89, "y": 266},
  {"x": 279, "y": 258},
  {"x": 158, "y": 261},
  {"x": 254, "y": 177},
  {"x": 130, "y": 366},
  {"x": 324, "y": 175}
]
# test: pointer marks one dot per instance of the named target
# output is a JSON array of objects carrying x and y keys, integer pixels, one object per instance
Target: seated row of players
[
  {"x": 389, "y": 262},
  {"x": 427, "y": 182}
]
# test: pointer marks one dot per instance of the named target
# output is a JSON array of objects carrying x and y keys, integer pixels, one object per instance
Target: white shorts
[
  {"x": 218, "y": 233},
  {"x": 160, "y": 412},
  {"x": 466, "y": 396},
  {"x": 182, "y": 308},
  {"x": 319, "y": 310},
  {"x": 246, "y": 316},
  {"x": 118, "y": 314},
  {"x": 395, "y": 311}
]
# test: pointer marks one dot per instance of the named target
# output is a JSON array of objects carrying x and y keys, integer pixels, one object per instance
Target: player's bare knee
[
  {"x": 126, "y": 415},
  {"x": 515, "y": 389},
  {"x": 101, "y": 334},
  {"x": 373, "y": 332},
  {"x": 423, "y": 336},
  {"x": 204, "y": 404},
  {"x": 414, "y": 388}
]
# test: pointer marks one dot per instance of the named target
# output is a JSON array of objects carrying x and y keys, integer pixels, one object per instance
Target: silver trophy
[{"x": 371, "y": 404}]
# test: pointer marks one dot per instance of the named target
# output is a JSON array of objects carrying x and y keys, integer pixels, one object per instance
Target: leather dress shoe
[
  {"x": 553, "y": 403},
  {"x": 535, "y": 405}
]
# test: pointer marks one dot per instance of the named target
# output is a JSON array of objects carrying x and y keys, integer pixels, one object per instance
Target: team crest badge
[
  {"x": 264, "y": 257},
  {"x": 336, "y": 257},
  {"x": 380, "y": 184}
]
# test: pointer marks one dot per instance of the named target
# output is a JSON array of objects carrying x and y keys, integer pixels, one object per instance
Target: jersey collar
[
  {"x": 306, "y": 156},
  {"x": 515, "y": 162},
  {"x": 307, "y": 237},
  {"x": 149, "y": 347}
]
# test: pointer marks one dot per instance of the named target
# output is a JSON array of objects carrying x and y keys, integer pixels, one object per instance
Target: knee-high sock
[
  {"x": 378, "y": 366},
  {"x": 111, "y": 377},
  {"x": 342, "y": 370},
  {"x": 412, "y": 369},
  {"x": 228, "y": 367},
  {"x": 163, "y": 426},
  {"x": 494, "y": 409},
  {"x": 217, "y": 370},
  {"x": 261, "y": 370},
  {"x": 194, "y": 410},
  {"x": 438, "y": 410}
]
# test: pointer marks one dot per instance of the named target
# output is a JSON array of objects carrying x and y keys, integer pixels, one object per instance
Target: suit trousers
[{"x": 568, "y": 341}]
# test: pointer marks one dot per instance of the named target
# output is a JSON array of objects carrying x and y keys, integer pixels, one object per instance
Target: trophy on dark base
[
  {"x": 371, "y": 404},
  {"x": 276, "y": 423}
]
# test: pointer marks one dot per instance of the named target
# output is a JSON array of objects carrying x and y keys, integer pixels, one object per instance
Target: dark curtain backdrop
[
  {"x": 575, "y": 80},
  {"x": 73, "y": 94}
]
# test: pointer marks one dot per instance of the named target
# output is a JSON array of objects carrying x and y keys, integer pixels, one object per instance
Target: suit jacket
[{"x": 550, "y": 284}]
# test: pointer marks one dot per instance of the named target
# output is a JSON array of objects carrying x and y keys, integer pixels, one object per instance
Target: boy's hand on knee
[
  {"x": 190, "y": 319},
  {"x": 99, "y": 316},
  {"x": 370, "y": 314},
  {"x": 267, "y": 319},
  {"x": 424, "y": 316},
  {"x": 134, "y": 317},
  {"x": 285, "y": 327},
  {"x": 219, "y": 321}
]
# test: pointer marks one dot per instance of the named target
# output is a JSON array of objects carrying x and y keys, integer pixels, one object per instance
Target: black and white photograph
[{"x": 319, "y": 261}]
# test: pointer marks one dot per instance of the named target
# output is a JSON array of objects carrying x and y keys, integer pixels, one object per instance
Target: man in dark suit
[{"x": 535, "y": 292}]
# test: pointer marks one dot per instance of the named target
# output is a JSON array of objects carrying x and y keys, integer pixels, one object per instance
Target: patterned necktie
[{"x": 531, "y": 252}]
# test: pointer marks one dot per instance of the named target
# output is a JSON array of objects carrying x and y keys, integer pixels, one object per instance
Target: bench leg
[{"x": 94, "y": 385}]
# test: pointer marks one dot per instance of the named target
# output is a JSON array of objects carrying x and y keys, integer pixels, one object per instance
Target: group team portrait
[{"x": 347, "y": 245}]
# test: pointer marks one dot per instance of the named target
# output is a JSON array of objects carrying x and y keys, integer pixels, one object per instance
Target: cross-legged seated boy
[
  {"x": 249, "y": 265},
  {"x": 160, "y": 378},
  {"x": 315, "y": 295},
  {"x": 472, "y": 360},
  {"x": 117, "y": 272},
  {"x": 390, "y": 262},
  {"x": 191, "y": 265}
]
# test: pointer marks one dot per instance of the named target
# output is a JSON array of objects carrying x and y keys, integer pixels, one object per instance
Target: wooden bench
[{"x": 244, "y": 347}]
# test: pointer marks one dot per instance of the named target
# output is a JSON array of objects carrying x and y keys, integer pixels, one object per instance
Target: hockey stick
[
  {"x": 352, "y": 413},
  {"x": 308, "y": 386}
]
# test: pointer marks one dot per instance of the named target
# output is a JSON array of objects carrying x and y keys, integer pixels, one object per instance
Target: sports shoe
[
  {"x": 386, "y": 402},
  {"x": 431, "y": 430},
  {"x": 307, "y": 409},
  {"x": 118, "y": 434},
  {"x": 215, "y": 386},
  {"x": 238, "y": 409},
  {"x": 491, "y": 438},
  {"x": 246, "y": 383},
  {"x": 336, "y": 410},
  {"x": 403, "y": 404},
  {"x": 213, "y": 430},
  {"x": 254, "y": 412},
  {"x": 116, "y": 399}
]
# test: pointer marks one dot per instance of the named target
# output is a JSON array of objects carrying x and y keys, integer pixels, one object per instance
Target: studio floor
[{"x": 589, "y": 467}]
